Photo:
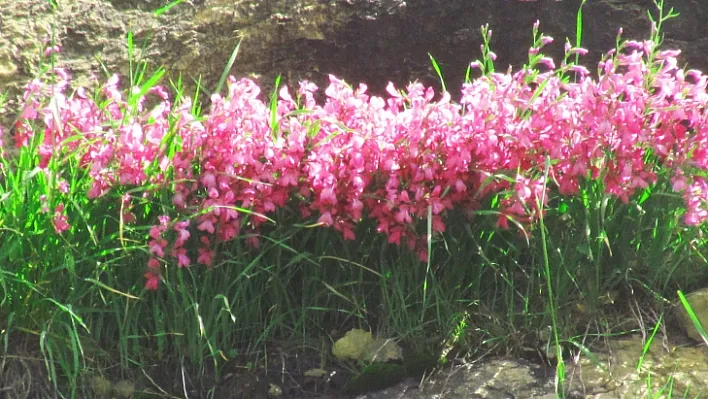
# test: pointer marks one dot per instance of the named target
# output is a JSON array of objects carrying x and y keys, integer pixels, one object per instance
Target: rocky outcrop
[
  {"x": 371, "y": 41},
  {"x": 618, "y": 369}
]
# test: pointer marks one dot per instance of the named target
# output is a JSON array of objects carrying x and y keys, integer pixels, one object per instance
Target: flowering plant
[{"x": 393, "y": 160}]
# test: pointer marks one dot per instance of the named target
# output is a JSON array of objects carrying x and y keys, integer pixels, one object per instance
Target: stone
[
  {"x": 614, "y": 373},
  {"x": 369, "y": 41},
  {"x": 124, "y": 389},
  {"x": 360, "y": 345},
  {"x": 383, "y": 350},
  {"x": 699, "y": 304},
  {"x": 101, "y": 386},
  {"x": 353, "y": 345}
]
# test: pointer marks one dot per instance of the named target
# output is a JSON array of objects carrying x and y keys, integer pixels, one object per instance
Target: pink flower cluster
[{"x": 390, "y": 159}]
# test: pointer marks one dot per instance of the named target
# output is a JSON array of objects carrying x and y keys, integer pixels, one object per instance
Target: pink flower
[
  {"x": 45, "y": 206},
  {"x": 227, "y": 231},
  {"x": 156, "y": 232},
  {"x": 164, "y": 220},
  {"x": 51, "y": 50},
  {"x": 182, "y": 233},
  {"x": 206, "y": 225},
  {"x": 181, "y": 255},
  {"x": 153, "y": 264},
  {"x": 157, "y": 247},
  {"x": 63, "y": 186},
  {"x": 206, "y": 256},
  {"x": 354, "y": 156},
  {"x": 60, "y": 220},
  {"x": 253, "y": 241},
  {"x": 326, "y": 219},
  {"x": 179, "y": 200},
  {"x": 152, "y": 281}
]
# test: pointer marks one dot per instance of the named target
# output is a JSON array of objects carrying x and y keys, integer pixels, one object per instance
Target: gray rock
[
  {"x": 615, "y": 373},
  {"x": 371, "y": 41},
  {"x": 699, "y": 304}
]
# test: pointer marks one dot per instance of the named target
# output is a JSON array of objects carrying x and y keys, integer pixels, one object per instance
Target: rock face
[{"x": 370, "y": 41}]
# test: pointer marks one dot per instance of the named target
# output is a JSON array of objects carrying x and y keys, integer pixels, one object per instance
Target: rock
[
  {"x": 101, "y": 386},
  {"x": 353, "y": 345},
  {"x": 699, "y": 304},
  {"x": 124, "y": 389},
  {"x": 615, "y": 372},
  {"x": 361, "y": 345},
  {"x": 500, "y": 378},
  {"x": 490, "y": 379},
  {"x": 370, "y": 41},
  {"x": 622, "y": 375},
  {"x": 383, "y": 350}
]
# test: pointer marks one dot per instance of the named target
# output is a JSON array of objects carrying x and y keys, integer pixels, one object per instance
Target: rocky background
[{"x": 370, "y": 41}]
